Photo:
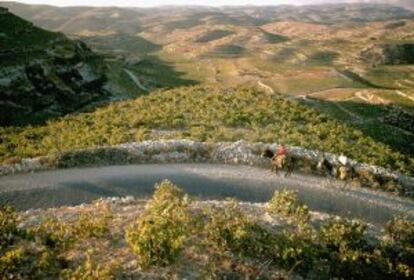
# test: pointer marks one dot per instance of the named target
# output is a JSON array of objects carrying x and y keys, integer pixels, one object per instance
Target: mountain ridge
[{"x": 45, "y": 74}]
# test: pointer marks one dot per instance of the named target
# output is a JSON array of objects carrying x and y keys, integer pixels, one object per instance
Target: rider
[
  {"x": 280, "y": 156},
  {"x": 344, "y": 168}
]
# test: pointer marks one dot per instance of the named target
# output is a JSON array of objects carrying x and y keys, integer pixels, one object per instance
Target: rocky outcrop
[
  {"x": 186, "y": 151},
  {"x": 44, "y": 74},
  {"x": 389, "y": 54}
]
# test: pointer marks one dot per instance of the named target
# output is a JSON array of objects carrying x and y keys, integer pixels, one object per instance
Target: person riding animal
[
  {"x": 280, "y": 157},
  {"x": 345, "y": 169},
  {"x": 281, "y": 160}
]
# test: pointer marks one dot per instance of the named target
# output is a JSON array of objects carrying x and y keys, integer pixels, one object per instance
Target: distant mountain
[
  {"x": 93, "y": 21},
  {"x": 408, "y": 4},
  {"x": 43, "y": 74},
  {"x": 73, "y": 20}
]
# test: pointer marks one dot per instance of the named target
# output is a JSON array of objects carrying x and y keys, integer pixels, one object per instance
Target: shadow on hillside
[
  {"x": 156, "y": 73},
  {"x": 151, "y": 71},
  {"x": 122, "y": 43},
  {"x": 361, "y": 80},
  {"x": 161, "y": 74},
  {"x": 392, "y": 125}
]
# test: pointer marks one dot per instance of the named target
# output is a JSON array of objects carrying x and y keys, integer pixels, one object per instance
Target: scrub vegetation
[
  {"x": 336, "y": 78},
  {"x": 174, "y": 237},
  {"x": 205, "y": 114}
]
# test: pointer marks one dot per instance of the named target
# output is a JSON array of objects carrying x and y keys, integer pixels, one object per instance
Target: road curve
[
  {"x": 207, "y": 181},
  {"x": 135, "y": 80}
]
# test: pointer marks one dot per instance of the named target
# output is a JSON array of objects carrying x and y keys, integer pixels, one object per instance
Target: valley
[{"x": 321, "y": 57}]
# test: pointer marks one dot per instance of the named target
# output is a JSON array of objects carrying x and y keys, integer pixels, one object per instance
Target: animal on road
[{"x": 280, "y": 162}]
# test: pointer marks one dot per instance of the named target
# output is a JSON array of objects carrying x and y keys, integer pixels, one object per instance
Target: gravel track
[{"x": 207, "y": 181}]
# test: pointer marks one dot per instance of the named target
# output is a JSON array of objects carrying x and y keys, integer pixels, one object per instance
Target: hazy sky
[{"x": 146, "y": 3}]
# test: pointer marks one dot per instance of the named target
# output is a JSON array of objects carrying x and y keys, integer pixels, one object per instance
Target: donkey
[
  {"x": 325, "y": 167},
  {"x": 345, "y": 173}
]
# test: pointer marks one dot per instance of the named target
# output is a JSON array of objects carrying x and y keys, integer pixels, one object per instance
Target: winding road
[
  {"x": 266, "y": 87},
  {"x": 207, "y": 181},
  {"x": 399, "y": 92},
  {"x": 135, "y": 80}
]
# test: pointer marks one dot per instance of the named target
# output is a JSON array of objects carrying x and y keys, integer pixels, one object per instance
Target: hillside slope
[
  {"x": 206, "y": 114},
  {"x": 44, "y": 74},
  {"x": 351, "y": 62}
]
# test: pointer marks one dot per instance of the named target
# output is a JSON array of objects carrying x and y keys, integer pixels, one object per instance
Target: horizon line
[{"x": 193, "y": 5}]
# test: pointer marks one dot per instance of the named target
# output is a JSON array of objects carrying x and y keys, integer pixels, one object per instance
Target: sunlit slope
[{"x": 202, "y": 113}]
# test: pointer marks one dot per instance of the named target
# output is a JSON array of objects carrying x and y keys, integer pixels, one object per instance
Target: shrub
[
  {"x": 287, "y": 204},
  {"x": 54, "y": 234},
  {"x": 401, "y": 230},
  {"x": 10, "y": 261},
  {"x": 228, "y": 229},
  {"x": 347, "y": 263},
  {"x": 158, "y": 237},
  {"x": 8, "y": 226},
  {"x": 343, "y": 243},
  {"x": 24, "y": 255},
  {"x": 302, "y": 254},
  {"x": 60, "y": 236},
  {"x": 34, "y": 253},
  {"x": 400, "y": 246},
  {"x": 29, "y": 260},
  {"x": 90, "y": 270},
  {"x": 341, "y": 232},
  {"x": 169, "y": 198},
  {"x": 88, "y": 225}
]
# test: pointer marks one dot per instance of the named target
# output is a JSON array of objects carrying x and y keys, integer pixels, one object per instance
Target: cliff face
[{"x": 44, "y": 74}]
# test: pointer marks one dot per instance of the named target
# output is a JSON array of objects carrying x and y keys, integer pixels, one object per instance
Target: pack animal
[{"x": 283, "y": 162}]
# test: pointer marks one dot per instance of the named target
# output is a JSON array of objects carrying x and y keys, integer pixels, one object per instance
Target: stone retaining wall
[{"x": 186, "y": 151}]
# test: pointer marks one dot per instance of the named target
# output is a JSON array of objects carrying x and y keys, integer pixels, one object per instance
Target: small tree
[{"x": 158, "y": 236}]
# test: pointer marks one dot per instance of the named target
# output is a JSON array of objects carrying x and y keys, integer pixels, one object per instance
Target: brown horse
[{"x": 280, "y": 163}]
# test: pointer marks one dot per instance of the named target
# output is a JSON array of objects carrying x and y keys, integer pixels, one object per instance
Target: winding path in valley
[
  {"x": 206, "y": 181},
  {"x": 135, "y": 80},
  {"x": 266, "y": 87},
  {"x": 400, "y": 93}
]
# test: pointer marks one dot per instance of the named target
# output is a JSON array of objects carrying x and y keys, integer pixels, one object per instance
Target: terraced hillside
[{"x": 44, "y": 74}]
